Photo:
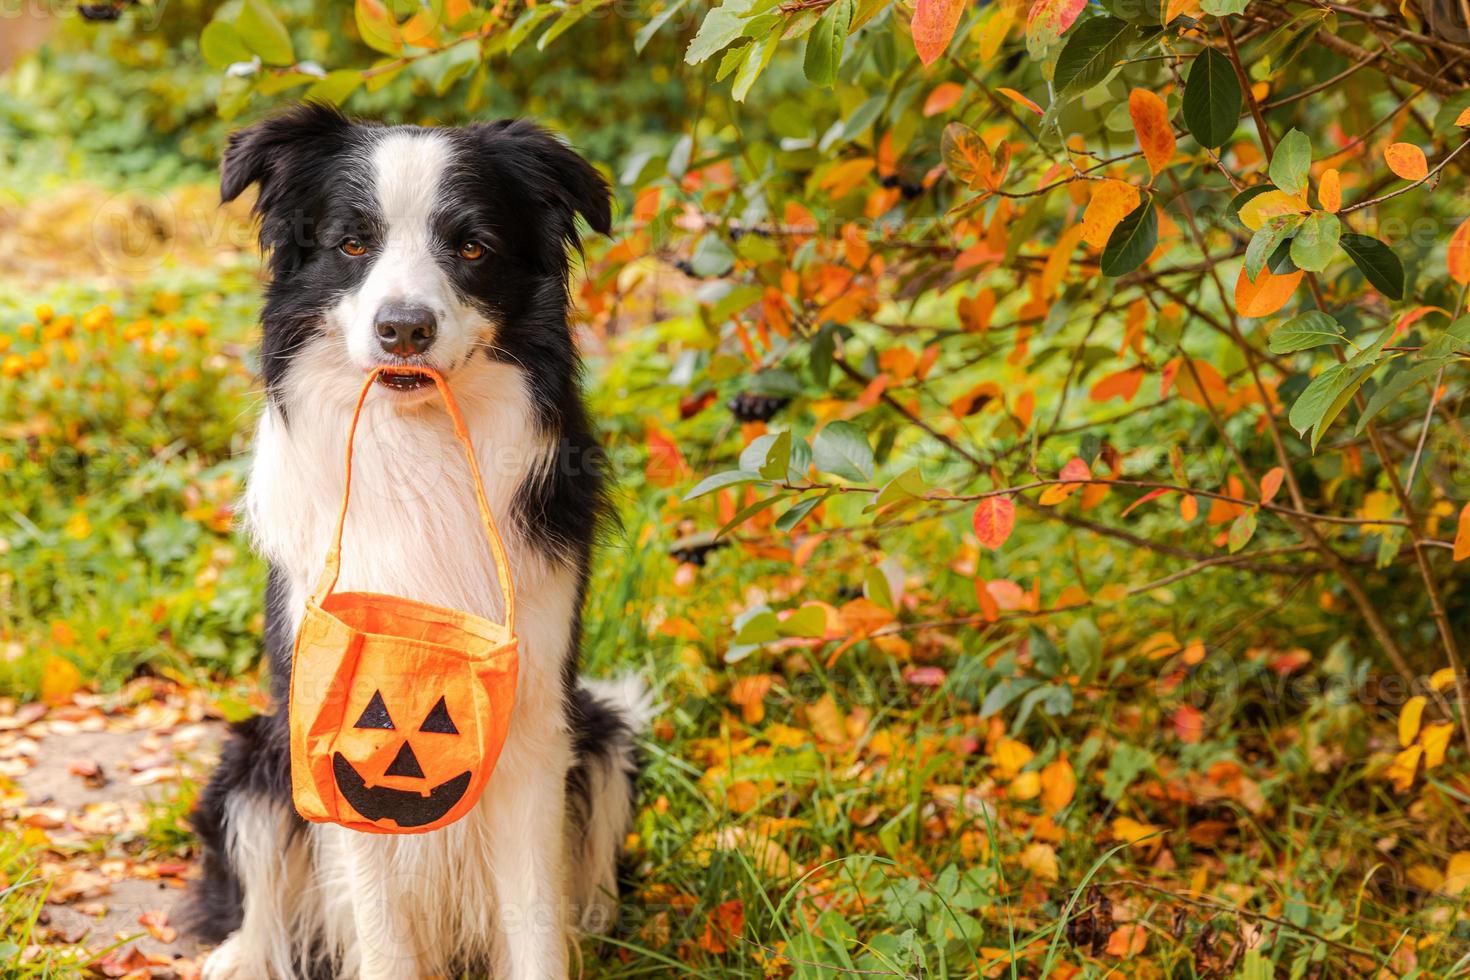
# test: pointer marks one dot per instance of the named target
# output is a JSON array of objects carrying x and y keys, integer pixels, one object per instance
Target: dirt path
[{"x": 98, "y": 788}]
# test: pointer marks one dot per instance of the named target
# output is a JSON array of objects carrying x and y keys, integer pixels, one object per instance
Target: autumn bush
[{"x": 1043, "y": 484}]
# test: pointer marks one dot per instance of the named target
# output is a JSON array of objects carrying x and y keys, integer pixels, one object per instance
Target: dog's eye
[
  {"x": 471, "y": 250},
  {"x": 352, "y": 247}
]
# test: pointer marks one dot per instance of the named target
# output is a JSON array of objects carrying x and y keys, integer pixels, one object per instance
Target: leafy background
[{"x": 1039, "y": 433}]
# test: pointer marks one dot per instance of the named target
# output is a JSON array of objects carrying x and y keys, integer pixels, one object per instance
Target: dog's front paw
[{"x": 227, "y": 962}]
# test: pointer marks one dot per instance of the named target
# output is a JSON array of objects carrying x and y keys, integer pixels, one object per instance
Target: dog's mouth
[{"x": 405, "y": 380}]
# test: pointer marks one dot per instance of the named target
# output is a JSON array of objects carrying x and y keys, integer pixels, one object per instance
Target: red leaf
[
  {"x": 934, "y": 24},
  {"x": 1075, "y": 470},
  {"x": 1151, "y": 495},
  {"x": 995, "y": 517}
]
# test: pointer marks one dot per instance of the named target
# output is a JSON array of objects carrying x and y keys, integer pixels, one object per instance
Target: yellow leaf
[
  {"x": 1058, "y": 785},
  {"x": 1407, "y": 161},
  {"x": 1427, "y": 878},
  {"x": 1112, "y": 201},
  {"x": 1151, "y": 123},
  {"x": 1436, "y": 741},
  {"x": 1146, "y": 836},
  {"x": 60, "y": 679},
  {"x": 1026, "y": 786},
  {"x": 1263, "y": 207},
  {"x": 1457, "y": 873},
  {"x": 1377, "y": 505},
  {"x": 1442, "y": 679},
  {"x": 1410, "y": 718},
  {"x": 1041, "y": 861},
  {"x": 1404, "y": 766},
  {"x": 1329, "y": 191},
  {"x": 1010, "y": 757},
  {"x": 78, "y": 527}
]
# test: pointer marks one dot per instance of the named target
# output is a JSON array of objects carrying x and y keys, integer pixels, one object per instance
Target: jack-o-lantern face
[
  {"x": 410, "y": 772},
  {"x": 402, "y": 792}
]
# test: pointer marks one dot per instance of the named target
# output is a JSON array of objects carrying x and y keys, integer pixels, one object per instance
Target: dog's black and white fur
[{"x": 450, "y": 248}]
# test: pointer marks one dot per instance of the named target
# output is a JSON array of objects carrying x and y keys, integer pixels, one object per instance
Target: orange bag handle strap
[{"x": 492, "y": 533}]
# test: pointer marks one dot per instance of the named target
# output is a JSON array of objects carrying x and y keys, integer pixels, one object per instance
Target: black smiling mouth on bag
[{"x": 404, "y": 807}]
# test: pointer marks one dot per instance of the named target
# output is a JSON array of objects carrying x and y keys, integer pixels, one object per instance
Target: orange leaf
[
  {"x": 1329, "y": 191},
  {"x": 1049, "y": 19},
  {"x": 1127, "y": 941},
  {"x": 1463, "y": 119},
  {"x": 1270, "y": 483},
  {"x": 723, "y": 926},
  {"x": 995, "y": 517},
  {"x": 1151, "y": 123},
  {"x": 1462, "y": 535},
  {"x": 988, "y": 606},
  {"x": 1020, "y": 99},
  {"x": 1267, "y": 295},
  {"x": 1407, "y": 161},
  {"x": 944, "y": 96},
  {"x": 1112, "y": 201},
  {"x": 1189, "y": 507},
  {"x": 933, "y": 26},
  {"x": 1457, "y": 256},
  {"x": 1058, "y": 785},
  {"x": 1121, "y": 384}
]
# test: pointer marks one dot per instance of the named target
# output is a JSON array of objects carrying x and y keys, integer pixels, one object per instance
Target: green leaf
[
  {"x": 1455, "y": 338},
  {"x": 1242, "y": 529},
  {"x": 1133, "y": 241},
  {"x": 1303, "y": 332},
  {"x": 1314, "y": 246},
  {"x": 1093, "y": 49},
  {"x": 778, "y": 457},
  {"x": 1292, "y": 163},
  {"x": 747, "y": 512},
  {"x": 718, "y": 481},
  {"x": 756, "y": 60},
  {"x": 1222, "y": 8},
  {"x": 825, "y": 43},
  {"x": 1397, "y": 385},
  {"x": 720, "y": 29},
  {"x": 263, "y": 33},
  {"x": 1377, "y": 262},
  {"x": 1267, "y": 239},
  {"x": 1313, "y": 402},
  {"x": 712, "y": 257},
  {"x": 1212, "y": 99},
  {"x": 336, "y": 87},
  {"x": 798, "y": 512},
  {"x": 1343, "y": 396},
  {"x": 842, "y": 448},
  {"x": 221, "y": 46}
]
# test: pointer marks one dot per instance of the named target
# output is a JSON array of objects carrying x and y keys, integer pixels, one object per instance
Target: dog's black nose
[{"x": 405, "y": 330}]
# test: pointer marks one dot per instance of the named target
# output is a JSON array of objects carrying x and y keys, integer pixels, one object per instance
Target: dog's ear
[
  {"x": 269, "y": 152},
  {"x": 551, "y": 170}
]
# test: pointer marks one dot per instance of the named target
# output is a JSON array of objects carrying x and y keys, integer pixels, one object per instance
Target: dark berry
[{"x": 748, "y": 407}]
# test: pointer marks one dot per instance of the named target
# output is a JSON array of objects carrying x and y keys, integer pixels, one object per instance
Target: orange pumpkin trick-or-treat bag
[{"x": 398, "y": 708}]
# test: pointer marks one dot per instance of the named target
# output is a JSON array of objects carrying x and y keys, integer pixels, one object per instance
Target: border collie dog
[{"x": 401, "y": 245}]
